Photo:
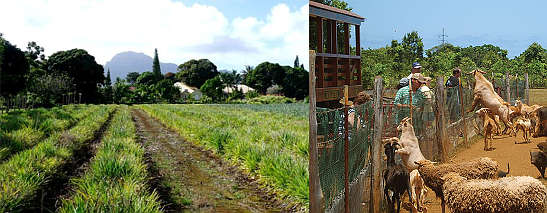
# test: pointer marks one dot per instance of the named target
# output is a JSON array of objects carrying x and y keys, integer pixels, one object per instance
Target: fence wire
[{"x": 330, "y": 131}]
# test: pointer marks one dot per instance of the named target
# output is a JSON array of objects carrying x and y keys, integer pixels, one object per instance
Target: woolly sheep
[
  {"x": 508, "y": 194},
  {"x": 481, "y": 168}
]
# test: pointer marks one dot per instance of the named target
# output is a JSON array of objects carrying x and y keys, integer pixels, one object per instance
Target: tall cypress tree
[
  {"x": 108, "y": 88},
  {"x": 156, "y": 66}
]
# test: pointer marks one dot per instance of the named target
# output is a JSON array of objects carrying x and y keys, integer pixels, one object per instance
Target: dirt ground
[
  {"x": 506, "y": 151},
  {"x": 190, "y": 179}
]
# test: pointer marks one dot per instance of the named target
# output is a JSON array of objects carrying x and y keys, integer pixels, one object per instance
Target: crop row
[
  {"x": 273, "y": 146},
  {"x": 116, "y": 178},
  {"x": 20, "y": 130},
  {"x": 26, "y": 172}
]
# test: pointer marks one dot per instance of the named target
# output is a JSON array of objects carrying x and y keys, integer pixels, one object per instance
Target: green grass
[
  {"x": 300, "y": 110},
  {"x": 22, "y": 129},
  {"x": 24, "y": 173},
  {"x": 264, "y": 141},
  {"x": 116, "y": 178}
]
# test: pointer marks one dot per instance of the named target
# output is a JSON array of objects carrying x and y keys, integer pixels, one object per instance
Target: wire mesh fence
[{"x": 330, "y": 134}]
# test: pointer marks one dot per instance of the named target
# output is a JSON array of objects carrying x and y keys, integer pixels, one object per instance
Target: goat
[
  {"x": 396, "y": 178},
  {"x": 540, "y": 116},
  {"x": 526, "y": 126},
  {"x": 418, "y": 189},
  {"x": 485, "y": 95},
  {"x": 410, "y": 151},
  {"x": 489, "y": 126}
]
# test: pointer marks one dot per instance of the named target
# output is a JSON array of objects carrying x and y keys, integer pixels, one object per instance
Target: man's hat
[
  {"x": 416, "y": 65},
  {"x": 419, "y": 77}
]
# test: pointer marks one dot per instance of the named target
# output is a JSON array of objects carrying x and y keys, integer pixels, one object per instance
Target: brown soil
[
  {"x": 190, "y": 179},
  {"x": 506, "y": 151}
]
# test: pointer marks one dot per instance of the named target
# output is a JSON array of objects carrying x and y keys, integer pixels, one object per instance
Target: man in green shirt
[{"x": 402, "y": 98}]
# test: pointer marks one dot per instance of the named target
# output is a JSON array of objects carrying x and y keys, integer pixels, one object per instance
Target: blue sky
[
  {"x": 512, "y": 25},
  {"x": 230, "y": 33}
]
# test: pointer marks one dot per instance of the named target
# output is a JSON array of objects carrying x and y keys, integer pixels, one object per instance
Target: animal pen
[{"x": 346, "y": 160}]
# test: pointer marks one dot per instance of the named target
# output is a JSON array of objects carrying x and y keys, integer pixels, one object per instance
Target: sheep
[
  {"x": 508, "y": 194},
  {"x": 410, "y": 151},
  {"x": 484, "y": 94},
  {"x": 526, "y": 126},
  {"x": 396, "y": 178},
  {"x": 489, "y": 126},
  {"x": 418, "y": 190},
  {"x": 481, "y": 168}
]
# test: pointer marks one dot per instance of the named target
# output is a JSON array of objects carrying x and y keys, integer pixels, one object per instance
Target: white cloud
[{"x": 179, "y": 31}]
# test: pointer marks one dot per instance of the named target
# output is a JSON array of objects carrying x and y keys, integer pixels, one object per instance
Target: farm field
[
  {"x": 155, "y": 158},
  {"x": 32, "y": 177},
  {"x": 269, "y": 146},
  {"x": 22, "y": 129}
]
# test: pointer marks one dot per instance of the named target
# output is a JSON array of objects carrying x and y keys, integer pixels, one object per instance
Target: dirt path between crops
[
  {"x": 190, "y": 179},
  {"x": 506, "y": 151}
]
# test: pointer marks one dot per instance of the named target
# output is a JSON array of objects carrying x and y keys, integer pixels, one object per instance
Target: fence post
[
  {"x": 441, "y": 119},
  {"x": 316, "y": 195},
  {"x": 460, "y": 89},
  {"x": 346, "y": 150},
  {"x": 377, "y": 142},
  {"x": 508, "y": 87},
  {"x": 526, "y": 89}
]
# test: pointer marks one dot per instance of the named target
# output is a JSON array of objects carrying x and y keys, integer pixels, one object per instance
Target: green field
[
  {"x": 43, "y": 167},
  {"x": 267, "y": 141}
]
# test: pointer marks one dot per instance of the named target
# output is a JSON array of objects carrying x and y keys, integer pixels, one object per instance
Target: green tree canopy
[
  {"x": 213, "y": 88},
  {"x": 265, "y": 75},
  {"x": 196, "y": 72},
  {"x": 13, "y": 68},
  {"x": 82, "y": 68},
  {"x": 295, "y": 83},
  {"x": 132, "y": 77},
  {"x": 146, "y": 78}
]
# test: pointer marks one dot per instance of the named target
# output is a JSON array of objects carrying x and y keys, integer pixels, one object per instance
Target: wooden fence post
[
  {"x": 377, "y": 142},
  {"x": 526, "y": 89},
  {"x": 508, "y": 87},
  {"x": 316, "y": 195},
  {"x": 441, "y": 119},
  {"x": 460, "y": 89}
]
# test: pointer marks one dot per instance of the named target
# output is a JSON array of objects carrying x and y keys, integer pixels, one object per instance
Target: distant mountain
[{"x": 126, "y": 62}]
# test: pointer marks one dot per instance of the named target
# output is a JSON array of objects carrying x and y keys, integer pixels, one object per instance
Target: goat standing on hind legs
[
  {"x": 485, "y": 95},
  {"x": 396, "y": 178}
]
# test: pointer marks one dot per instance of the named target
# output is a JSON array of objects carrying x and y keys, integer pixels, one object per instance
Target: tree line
[
  {"x": 49, "y": 81},
  {"x": 394, "y": 61}
]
